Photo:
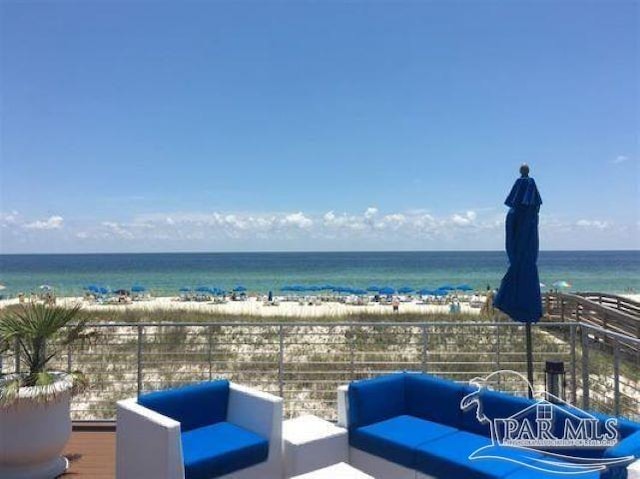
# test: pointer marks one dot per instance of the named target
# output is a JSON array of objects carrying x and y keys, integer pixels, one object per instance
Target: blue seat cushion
[
  {"x": 192, "y": 406},
  {"x": 529, "y": 473},
  {"x": 219, "y": 449},
  {"x": 375, "y": 400},
  {"x": 448, "y": 457},
  {"x": 396, "y": 439},
  {"x": 435, "y": 399}
]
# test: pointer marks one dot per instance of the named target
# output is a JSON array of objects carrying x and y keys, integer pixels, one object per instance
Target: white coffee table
[
  {"x": 311, "y": 443},
  {"x": 337, "y": 471}
]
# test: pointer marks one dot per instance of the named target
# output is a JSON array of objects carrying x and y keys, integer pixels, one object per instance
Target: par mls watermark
[{"x": 546, "y": 434}]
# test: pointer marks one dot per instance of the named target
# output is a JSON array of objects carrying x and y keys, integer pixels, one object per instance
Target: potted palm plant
[{"x": 35, "y": 403}]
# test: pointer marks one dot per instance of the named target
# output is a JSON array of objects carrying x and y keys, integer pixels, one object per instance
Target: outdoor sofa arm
[
  {"x": 262, "y": 414},
  {"x": 343, "y": 406},
  {"x": 629, "y": 446},
  {"x": 148, "y": 444}
]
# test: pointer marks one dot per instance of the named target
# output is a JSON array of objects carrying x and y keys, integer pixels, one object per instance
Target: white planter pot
[{"x": 33, "y": 433}]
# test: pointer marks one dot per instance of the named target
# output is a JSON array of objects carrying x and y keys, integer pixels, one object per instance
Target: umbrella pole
[{"x": 529, "y": 358}]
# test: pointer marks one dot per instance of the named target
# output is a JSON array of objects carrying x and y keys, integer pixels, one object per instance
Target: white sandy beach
[{"x": 255, "y": 307}]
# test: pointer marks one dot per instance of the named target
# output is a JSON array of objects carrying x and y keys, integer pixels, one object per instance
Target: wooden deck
[{"x": 92, "y": 452}]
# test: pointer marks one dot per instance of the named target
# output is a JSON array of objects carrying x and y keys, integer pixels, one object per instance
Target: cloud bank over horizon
[{"x": 371, "y": 229}]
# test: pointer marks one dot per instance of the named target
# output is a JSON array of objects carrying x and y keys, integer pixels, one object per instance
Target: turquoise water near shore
[{"x": 164, "y": 274}]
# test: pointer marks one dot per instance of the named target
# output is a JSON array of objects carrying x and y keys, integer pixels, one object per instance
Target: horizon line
[{"x": 316, "y": 252}]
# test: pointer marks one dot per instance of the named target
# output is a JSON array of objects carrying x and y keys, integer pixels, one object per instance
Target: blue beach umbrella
[
  {"x": 341, "y": 289},
  {"x": 103, "y": 290},
  {"x": 387, "y": 290},
  {"x": 359, "y": 291},
  {"x": 464, "y": 287},
  {"x": 185, "y": 289},
  {"x": 405, "y": 290},
  {"x": 561, "y": 284},
  {"x": 203, "y": 289},
  {"x": 374, "y": 288},
  {"x": 137, "y": 288},
  {"x": 425, "y": 292},
  {"x": 447, "y": 287},
  {"x": 519, "y": 294},
  {"x": 239, "y": 289},
  {"x": 441, "y": 292}
]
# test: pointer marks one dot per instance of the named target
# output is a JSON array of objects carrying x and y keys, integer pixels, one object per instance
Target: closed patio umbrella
[{"x": 519, "y": 294}]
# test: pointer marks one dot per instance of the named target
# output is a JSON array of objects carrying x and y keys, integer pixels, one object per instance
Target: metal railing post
[
  {"x": 425, "y": 346},
  {"x": 16, "y": 356},
  {"x": 585, "y": 368},
  {"x": 616, "y": 376},
  {"x": 281, "y": 362},
  {"x": 498, "y": 350},
  {"x": 69, "y": 359},
  {"x": 351, "y": 340},
  {"x": 562, "y": 309},
  {"x": 139, "y": 357},
  {"x": 210, "y": 350},
  {"x": 574, "y": 366}
]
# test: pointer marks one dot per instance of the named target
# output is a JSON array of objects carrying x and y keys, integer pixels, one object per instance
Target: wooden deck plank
[{"x": 92, "y": 454}]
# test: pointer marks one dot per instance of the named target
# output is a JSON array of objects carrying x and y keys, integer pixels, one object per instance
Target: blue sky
[{"x": 214, "y": 126}]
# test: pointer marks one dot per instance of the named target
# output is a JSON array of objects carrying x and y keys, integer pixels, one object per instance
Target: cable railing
[{"x": 305, "y": 362}]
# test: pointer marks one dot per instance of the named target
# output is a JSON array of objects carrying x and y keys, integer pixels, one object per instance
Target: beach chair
[{"x": 203, "y": 431}]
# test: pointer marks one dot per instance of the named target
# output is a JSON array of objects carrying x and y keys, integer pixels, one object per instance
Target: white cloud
[
  {"x": 51, "y": 223},
  {"x": 117, "y": 229},
  {"x": 597, "y": 224},
  {"x": 620, "y": 159},
  {"x": 8, "y": 219},
  {"x": 297, "y": 219},
  {"x": 370, "y": 213},
  {"x": 368, "y": 229},
  {"x": 464, "y": 220}
]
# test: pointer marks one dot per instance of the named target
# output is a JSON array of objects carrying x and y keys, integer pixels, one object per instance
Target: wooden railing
[
  {"x": 607, "y": 311},
  {"x": 613, "y": 301}
]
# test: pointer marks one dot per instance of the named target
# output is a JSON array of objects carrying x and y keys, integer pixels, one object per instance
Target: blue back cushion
[
  {"x": 375, "y": 400},
  {"x": 434, "y": 399},
  {"x": 495, "y": 405},
  {"x": 192, "y": 406}
]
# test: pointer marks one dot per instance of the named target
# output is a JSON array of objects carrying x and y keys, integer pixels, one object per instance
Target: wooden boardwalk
[{"x": 92, "y": 453}]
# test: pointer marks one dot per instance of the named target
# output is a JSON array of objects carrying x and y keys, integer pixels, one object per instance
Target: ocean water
[{"x": 163, "y": 274}]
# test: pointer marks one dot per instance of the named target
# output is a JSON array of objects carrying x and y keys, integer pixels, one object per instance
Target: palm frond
[{"x": 38, "y": 330}]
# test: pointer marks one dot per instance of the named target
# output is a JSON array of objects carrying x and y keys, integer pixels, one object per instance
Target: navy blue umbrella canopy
[
  {"x": 519, "y": 293},
  {"x": 240, "y": 289},
  {"x": 387, "y": 290},
  {"x": 406, "y": 290},
  {"x": 446, "y": 287}
]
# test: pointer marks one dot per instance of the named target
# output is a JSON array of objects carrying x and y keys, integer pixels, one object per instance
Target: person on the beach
[{"x": 396, "y": 305}]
